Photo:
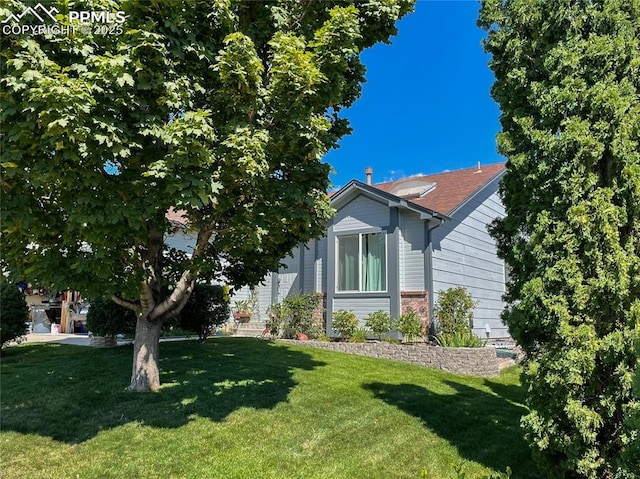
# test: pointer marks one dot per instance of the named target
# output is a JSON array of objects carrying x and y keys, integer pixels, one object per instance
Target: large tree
[
  {"x": 222, "y": 109},
  {"x": 568, "y": 84}
]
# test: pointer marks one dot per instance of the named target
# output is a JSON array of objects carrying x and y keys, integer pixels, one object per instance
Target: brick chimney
[{"x": 368, "y": 171}]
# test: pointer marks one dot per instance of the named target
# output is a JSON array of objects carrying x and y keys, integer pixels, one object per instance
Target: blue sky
[{"x": 426, "y": 106}]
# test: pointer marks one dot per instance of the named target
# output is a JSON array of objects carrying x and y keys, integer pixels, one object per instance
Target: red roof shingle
[
  {"x": 177, "y": 216},
  {"x": 452, "y": 188}
]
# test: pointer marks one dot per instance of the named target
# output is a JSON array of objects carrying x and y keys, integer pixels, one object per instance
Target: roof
[
  {"x": 440, "y": 193},
  {"x": 177, "y": 217},
  {"x": 443, "y": 192}
]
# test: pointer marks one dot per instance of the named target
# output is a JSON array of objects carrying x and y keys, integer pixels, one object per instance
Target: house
[{"x": 392, "y": 246}]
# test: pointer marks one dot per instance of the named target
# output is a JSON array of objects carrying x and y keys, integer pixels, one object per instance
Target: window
[{"x": 362, "y": 262}]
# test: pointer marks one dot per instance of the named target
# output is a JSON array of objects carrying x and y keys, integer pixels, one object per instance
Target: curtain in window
[
  {"x": 373, "y": 262},
  {"x": 348, "y": 263}
]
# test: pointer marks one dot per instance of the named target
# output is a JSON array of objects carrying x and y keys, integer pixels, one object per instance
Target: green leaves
[
  {"x": 222, "y": 109},
  {"x": 567, "y": 82},
  {"x": 294, "y": 74},
  {"x": 125, "y": 79},
  {"x": 238, "y": 64}
]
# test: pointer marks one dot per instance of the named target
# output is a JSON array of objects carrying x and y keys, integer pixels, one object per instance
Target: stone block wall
[{"x": 468, "y": 361}]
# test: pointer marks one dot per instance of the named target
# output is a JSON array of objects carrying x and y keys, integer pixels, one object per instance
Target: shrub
[
  {"x": 205, "y": 310},
  {"x": 14, "y": 313},
  {"x": 345, "y": 322},
  {"x": 459, "y": 339},
  {"x": 277, "y": 316},
  {"x": 410, "y": 326},
  {"x": 379, "y": 323},
  {"x": 454, "y": 310},
  {"x": 174, "y": 330},
  {"x": 300, "y": 310},
  {"x": 295, "y": 315},
  {"x": 316, "y": 332},
  {"x": 106, "y": 318},
  {"x": 359, "y": 336},
  {"x": 322, "y": 337}
]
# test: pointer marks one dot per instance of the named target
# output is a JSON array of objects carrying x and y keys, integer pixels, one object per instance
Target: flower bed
[{"x": 468, "y": 361}]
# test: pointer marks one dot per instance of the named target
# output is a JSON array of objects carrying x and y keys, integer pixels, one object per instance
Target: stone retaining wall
[
  {"x": 468, "y": 361},
  {"x": 102, "y": 341}
]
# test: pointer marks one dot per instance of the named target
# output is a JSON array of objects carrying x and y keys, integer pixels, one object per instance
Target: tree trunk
[{"x": 145, "y": 374}]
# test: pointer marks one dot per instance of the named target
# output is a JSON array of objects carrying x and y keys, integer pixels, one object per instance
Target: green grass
[{"x": 246, "y": 408}]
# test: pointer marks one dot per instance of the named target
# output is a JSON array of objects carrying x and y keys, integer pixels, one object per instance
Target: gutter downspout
[{"x": 428, "y": 269}]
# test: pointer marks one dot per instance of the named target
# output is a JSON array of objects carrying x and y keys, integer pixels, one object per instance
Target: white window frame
[{"x": 337, "y": 262}]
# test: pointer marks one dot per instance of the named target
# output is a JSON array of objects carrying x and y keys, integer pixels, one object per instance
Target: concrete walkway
[
  {"x": 75, "y": 339},
  {"x": 83, "y": 339}
]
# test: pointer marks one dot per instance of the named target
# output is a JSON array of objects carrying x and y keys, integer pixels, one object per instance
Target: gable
[{"x": 360, "y": 213}]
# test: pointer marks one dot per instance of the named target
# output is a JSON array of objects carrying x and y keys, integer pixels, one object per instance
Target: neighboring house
[{"x": 394, "y": 245}]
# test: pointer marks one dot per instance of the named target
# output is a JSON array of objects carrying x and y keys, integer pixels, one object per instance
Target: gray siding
[
  {"x": 264, "y": 298},
  {"x": 362, "y": 307},
  {"x": 289, "y": 278},
  {"x": 182, "y": 241},
  {"x": 308, "y": 260},
  {"x": 465, "y": 255},
  {"x": 412, "y": 243},
  {"x": 361, "y": 212},
  {"x": 320, "y": 269}
]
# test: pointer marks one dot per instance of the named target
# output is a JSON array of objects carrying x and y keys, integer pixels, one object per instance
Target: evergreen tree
[{"x": 568, "y": 84}]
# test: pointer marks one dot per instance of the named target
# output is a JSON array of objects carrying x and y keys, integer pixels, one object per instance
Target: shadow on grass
[
  {"x": 71, "y": 393},
  {"x": 482, "y": 425}
]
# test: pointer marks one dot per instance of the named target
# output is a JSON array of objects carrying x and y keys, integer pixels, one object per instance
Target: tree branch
[
  {"x": 178, "y": 297},
  {"x": 171, "y": 306},
  {"x": 123, "y": 302},
  {"x": 178, "y": 306}
]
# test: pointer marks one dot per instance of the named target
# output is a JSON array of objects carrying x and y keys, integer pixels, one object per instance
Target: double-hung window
[{"x": 362, "y": 262}]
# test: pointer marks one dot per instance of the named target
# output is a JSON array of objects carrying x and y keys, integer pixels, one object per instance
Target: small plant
[
  {"x": 205, "y": 310},
  {"x": 454, "y": 310},
  {"x": 14, "y": 313},
  {"x": 345, "y": 322},
  {"x": 379, "y": 323},
  {"x": 106, "y": 318},
  {"x": 459, "y": 339},
  {"x": 246, "y": 306},
  {"x": 277, "y": 315},
  {"x": 359, "y": 336},
  {"x": 410, "y": 326}
]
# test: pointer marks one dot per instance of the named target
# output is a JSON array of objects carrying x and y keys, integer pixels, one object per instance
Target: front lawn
[{"x": 248, "y": 408}]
